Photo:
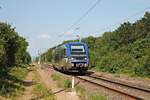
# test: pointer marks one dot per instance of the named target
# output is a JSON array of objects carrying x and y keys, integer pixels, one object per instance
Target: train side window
[{"x": 64, "y": 53}]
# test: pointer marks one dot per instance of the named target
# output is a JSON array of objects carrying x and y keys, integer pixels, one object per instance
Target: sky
[{"x": 45, "y": 23}]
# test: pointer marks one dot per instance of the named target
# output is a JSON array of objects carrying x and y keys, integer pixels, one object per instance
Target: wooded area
[
  {"x": 13, "y": 59},
  {"x": 13, "y": 48}
]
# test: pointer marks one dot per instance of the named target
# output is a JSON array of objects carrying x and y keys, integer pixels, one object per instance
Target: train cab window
[
  {"x": 64, "y": 52},
  {"x": 77, "y": 48},
  {"x": 55, "y": 55}
]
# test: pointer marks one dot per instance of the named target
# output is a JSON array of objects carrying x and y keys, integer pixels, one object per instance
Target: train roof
[{"x": 70, "y": 43}]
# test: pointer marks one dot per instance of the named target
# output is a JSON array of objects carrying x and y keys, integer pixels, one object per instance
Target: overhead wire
[
  {"x": 83, "y": 16},
  {"x": 125, "y": 19},
  {"x": 108, "y": 27}
]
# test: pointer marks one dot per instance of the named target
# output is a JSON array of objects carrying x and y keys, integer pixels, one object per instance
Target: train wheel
[{"x": 82, "y": 71}]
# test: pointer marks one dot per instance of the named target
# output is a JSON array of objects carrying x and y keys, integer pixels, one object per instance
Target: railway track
[
  {"x": 128, "y": 90},
  {"x": 124, "y": 89},
  {"x": 123, "y": 83}
]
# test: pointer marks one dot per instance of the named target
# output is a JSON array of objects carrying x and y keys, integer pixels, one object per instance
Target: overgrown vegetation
[
  {"x": 13, "y": 60},
  {"x": 11, "y": 82},
  {"x": 61, "y": 81},
  {"x": 65, "y": 83},
  {"x": 125, "y": 50},
  {"x": 96, "y": 96},
  {"x": 81, "y": 92},
  {"x": 40, "y": 90},
  {"x": 84, "y": 94},
  {"x": 13, "y": 48},
  {"x": 56, "y": 77}
]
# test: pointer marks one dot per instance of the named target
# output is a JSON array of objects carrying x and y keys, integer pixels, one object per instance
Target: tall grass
[
  {"x": 11, "y": 81},
  {"x": 56, "y": 77},
  {"x": 81, "y": 92},
  {"x": 62, "y": 82},
  {"x": 96, "y": 96},
  {"x": 40, "y": 90}
]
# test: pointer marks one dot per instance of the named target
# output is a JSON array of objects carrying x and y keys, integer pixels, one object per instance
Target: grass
[
  {"x": 96, "y": 96},
  {"x": 65, "y": 83},
  {"x": 40, "y": 90},
  {"x": 56, "y": 77},
  {"x": 117, "y": 75},
  {"x": 81, "y": 92},
  {"x": 19, "y": 72},
  {"x": 11, "y": 81},
  {"x": 62, "y": 82},
  {"x": 36, "y": 76}
]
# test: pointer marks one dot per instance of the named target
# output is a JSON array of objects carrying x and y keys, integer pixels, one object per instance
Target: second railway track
[{"x": 129, "y": 90}]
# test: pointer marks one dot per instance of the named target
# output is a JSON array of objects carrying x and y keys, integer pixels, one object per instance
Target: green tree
[{"x": 12, "y": 46}]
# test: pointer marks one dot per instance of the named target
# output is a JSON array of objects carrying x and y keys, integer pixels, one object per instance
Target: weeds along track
[{"x": 123, "y": 88}]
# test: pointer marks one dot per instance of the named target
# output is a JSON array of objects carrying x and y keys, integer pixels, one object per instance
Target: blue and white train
[{"x": 72, "y": 56}]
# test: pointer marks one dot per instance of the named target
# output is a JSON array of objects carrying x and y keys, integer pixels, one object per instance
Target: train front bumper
[{"x": 79, "y": 65}]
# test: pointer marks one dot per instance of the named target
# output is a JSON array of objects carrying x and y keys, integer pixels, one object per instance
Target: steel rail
[
  {"x": 131, "y": 85},
  {"x": 110, "y": 88}
]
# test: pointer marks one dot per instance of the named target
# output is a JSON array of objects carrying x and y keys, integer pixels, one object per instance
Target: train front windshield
[{"x": 77, "y": 49}]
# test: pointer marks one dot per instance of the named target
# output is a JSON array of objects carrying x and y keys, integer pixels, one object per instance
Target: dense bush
[
  {"x": 2, "y": 53},
  {"x": 13, "y": 48},
  {"x": 13, "y": 56},
  {"x": 125, "y": 50}
]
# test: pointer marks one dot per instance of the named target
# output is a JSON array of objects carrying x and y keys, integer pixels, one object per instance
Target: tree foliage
[{"x": 13, "y": 48}]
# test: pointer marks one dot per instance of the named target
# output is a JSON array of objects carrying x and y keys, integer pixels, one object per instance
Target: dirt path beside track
[
  {"x": 59, "y": 92},
  {"x": 27, "y": 95}
]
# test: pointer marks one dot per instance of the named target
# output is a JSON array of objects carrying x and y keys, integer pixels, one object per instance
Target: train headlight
[
  {"x": 72, "y": 58},
  {"x": 85, "y": 65}
]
